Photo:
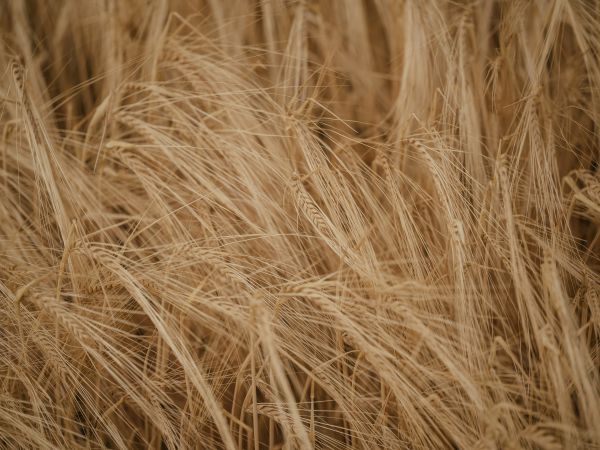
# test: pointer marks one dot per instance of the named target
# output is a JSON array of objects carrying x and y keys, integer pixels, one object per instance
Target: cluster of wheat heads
[{"x": 262, "y": 224}]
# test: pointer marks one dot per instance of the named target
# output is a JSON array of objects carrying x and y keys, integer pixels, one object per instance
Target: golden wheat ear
[{"x": 316, "y": 224}]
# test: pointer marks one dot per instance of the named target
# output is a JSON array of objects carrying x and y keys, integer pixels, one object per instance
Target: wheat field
[{"x": 319, "y": 224}]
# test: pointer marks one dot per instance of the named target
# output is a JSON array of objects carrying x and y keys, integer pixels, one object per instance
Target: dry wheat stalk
[{"x": 279, "y": 224}]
